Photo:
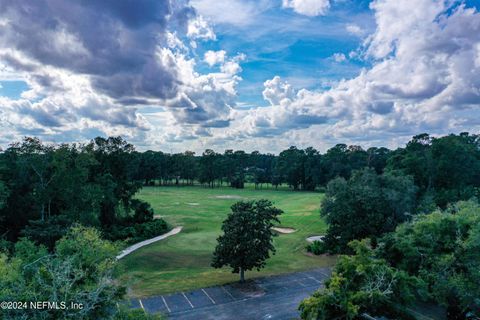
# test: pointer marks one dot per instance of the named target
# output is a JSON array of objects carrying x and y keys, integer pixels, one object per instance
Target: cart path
[{"x": 141, "y": 244}]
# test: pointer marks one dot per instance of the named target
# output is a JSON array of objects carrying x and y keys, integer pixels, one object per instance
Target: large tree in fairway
[{"x": 248, "y": 237}]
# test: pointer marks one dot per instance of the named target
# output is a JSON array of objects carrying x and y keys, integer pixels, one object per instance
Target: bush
[
  {"x": 136, "y": 232},
  {"x": 316, "y": 247},
  {"x": 47, "y": 231},
  {"x": 143, "y": 211}
]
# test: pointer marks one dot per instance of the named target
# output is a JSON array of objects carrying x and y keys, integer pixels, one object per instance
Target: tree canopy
[
  {"x": 361, "y": 283},
  {"x": 248, "y": 237},
  {"x": 433, "y": 258},
  {"x": 366, "y": 205},
  {"x": 79, "y": 270},
  {"x": 442, "y": 249}
]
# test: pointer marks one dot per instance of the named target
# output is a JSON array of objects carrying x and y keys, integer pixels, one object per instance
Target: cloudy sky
[{"x": 262, "y": 75}]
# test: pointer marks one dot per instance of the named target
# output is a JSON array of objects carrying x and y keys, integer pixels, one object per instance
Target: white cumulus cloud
[
  {"x": 214, "y": 57},
  {"x": 425, "y": 77},
  {"x": 308, "y": 7}
]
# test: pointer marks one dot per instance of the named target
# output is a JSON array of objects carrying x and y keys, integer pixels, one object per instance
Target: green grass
[{"x": 182, "y": 262}]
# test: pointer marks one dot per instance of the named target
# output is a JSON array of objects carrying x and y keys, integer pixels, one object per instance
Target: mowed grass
[{"x": 182, "y": 262}]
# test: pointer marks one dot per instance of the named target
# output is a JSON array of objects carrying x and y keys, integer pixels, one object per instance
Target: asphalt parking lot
[{"x": 275, "y": 297}]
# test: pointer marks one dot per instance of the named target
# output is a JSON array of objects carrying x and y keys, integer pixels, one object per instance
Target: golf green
[{"x": 182, "y": 262}]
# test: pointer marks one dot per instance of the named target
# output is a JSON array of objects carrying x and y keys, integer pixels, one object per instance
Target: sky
[{"x": 176, "y": 75}]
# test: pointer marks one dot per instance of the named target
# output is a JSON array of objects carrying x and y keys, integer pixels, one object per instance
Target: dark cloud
[
  {"x": 115, "y": 42},
  {"x": 46, "y": 114},
  {"x": 380, "y": 107},
  {"x": 216, "y": 124}
]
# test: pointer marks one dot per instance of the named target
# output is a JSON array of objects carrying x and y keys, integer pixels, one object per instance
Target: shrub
[
  {"x": 316, "y": 247},
  {"x": 136, "y": 232},
  {"x": 47, "y": 231},
  {"x": 143, "y": 211}
]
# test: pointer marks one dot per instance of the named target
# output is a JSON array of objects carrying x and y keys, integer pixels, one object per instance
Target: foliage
[
  {"x": 44, "y": 189},
  {"x": 316, "y": 247},
  {"x": 443, "y": 249},
  {"x": 79, "y": 271},
  {"x": 361, "y": 283},
  {"x": 447, "y": 167},
  {"x": 135, "y": 314},
  {"x": 248, "y": 237},
  {"x": 4, "y": 193},
  {"x": 137, "y": 232},
  {"x": 367, "y": 205},
  {"x": 47, "y": 231},
  {"x": 143, "y": 212}
]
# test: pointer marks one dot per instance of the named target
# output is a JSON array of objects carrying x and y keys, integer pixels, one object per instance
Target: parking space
[
  {"x": 199, "y": 298},
  {"x": 154, "y": 305},
  {"x": 177, "y": 302},
  {"x": 219, "y": 295},
  {"x": 262, "y": 293}
]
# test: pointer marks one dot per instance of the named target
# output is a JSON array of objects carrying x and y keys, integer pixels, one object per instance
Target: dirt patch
[
  {"x": 228, "y": 197},
  {"x": 323, "y": 255},
  {"x": 249, "y": 288},
  {"x": 315, "y": 238},
  {"x": 284, "y": 230}
]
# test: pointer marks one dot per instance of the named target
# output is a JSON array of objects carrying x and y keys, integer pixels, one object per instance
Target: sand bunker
[
  {"x": 228, "y": 197},
  {"x": 284, "y": 230},
  {"x": 315, "y": 238}
]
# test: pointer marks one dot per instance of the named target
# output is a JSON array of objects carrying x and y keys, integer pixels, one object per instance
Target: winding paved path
[{"x": 138, "y": 245}]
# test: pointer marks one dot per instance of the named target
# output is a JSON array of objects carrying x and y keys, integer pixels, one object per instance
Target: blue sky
[
  {"x": 264, "y": 74},
  {"x": 13, "y": 88},
  {"x": 298, "y": 48}
]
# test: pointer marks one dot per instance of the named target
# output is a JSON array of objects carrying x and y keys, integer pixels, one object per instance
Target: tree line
[
  {"x": 300, "y": 169},
  {"x": 45, "y": 189},
  {"x": 94, "y": 183},
  {"x": 445, "y": 169}
]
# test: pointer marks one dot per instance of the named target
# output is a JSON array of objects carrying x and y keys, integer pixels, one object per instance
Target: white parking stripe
[
  {"x": 166, "y": 305},
  {"x": 300, "y": 283},
  {"x": 191, "y": 305},
  {"x": 213, "y": 301},
  {"x": 324, "y": 274},
  {"x": 228, "y": 292},
  {"x": 141, "y": 304}
]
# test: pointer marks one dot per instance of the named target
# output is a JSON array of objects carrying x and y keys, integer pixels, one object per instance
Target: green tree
[
  {"x": 4, "y": 193},
  {"x": 248, "y": 238},
  {"x": 290, "y": 167},
  {"x": 209, "y": 167},
  {"x": 446, "y": 169},
  {"x": 362, "y": 283},
  {"x": 367, "y": 205},
  {"x": 79, "y": 270},
  {"x": 443, "y": 249}
]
